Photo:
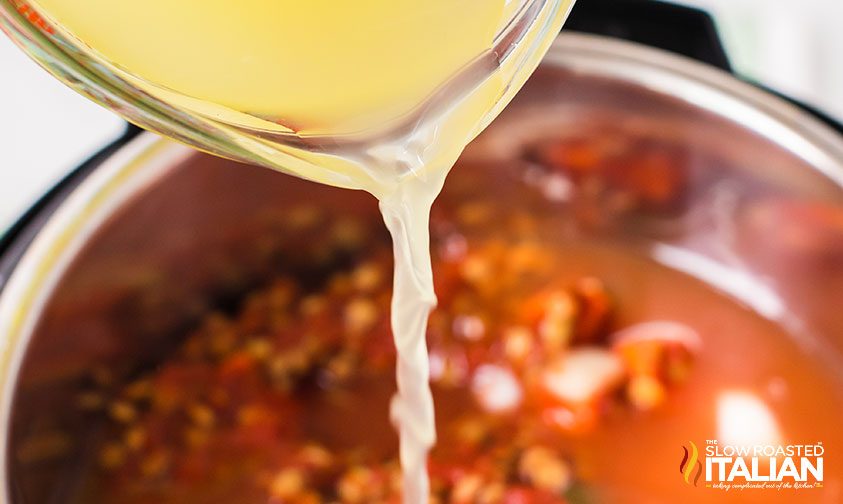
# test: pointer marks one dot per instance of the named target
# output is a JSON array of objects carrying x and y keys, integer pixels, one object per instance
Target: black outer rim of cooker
[
  {"x": 19, "y": 236},
  {"x": 682, "y": 30}
]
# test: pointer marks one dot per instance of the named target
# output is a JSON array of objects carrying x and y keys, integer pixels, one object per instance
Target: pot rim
[
  {"x": 147, "y": 158},
  {"x": 132, "y": 168},
  {"x": 707, "y": 88}
]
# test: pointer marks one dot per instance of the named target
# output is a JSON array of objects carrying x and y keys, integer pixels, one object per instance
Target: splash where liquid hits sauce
[{"x": 324, "y": 67}]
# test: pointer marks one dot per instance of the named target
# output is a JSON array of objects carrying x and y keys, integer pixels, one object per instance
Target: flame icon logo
[{"x": 690, "y": 461}]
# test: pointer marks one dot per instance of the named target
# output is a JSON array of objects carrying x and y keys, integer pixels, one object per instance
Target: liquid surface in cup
[
  {"x": 309, "y": 65},
  {"x": 325, "y": 66}
]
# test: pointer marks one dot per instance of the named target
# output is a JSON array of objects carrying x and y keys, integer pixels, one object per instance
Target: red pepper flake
[{"x": 35, "y": 18}]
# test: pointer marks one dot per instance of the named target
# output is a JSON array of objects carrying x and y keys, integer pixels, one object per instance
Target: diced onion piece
[{"x": 583, "y": 375}]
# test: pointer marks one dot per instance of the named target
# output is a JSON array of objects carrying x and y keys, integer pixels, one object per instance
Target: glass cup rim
[{"x": 84, "y": 71}]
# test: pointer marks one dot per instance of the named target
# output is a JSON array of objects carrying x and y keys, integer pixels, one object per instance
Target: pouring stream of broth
[{"x": 328, "y": 67}]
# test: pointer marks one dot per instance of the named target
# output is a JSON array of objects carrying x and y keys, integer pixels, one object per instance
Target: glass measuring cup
[{"x": 339, "y": 158}]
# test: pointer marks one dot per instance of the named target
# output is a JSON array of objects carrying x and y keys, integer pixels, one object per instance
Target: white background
[{"x": 46, "y": 129}]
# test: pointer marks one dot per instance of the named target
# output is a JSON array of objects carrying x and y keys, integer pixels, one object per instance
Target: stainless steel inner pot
[{"x": 159, "y": 234}]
